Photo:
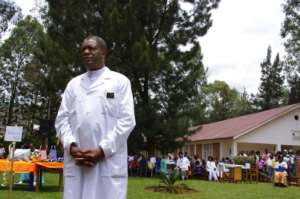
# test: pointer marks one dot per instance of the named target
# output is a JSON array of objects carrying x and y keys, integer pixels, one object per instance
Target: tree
[
  {"x": 14, "y": 56},
  {"x": 244, "y": 104},
  {"x": 145, "y": 39},
  {"x": 32, "y": 72},
  {"x": 221, "y": 101},
  {"x": 9, "y": 13},
  {"x": 290, "y": 31},
  {"x": 270, "y": 93}
]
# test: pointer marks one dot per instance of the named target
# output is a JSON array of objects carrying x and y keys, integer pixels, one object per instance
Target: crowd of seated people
[
  {"x": 139, "y": 165},
  {"x": 275, "y": 167}
]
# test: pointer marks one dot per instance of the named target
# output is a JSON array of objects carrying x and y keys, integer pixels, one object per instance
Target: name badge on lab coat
[{"x": 110, "y": 95}]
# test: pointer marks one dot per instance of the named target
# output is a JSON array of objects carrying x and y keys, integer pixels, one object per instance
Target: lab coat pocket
[
  {"x": 111, "y": 106},
  {"x": 108, "y": 105},
  {"x": 69, "y": 171},
  {"x": 118, "y": 165}
]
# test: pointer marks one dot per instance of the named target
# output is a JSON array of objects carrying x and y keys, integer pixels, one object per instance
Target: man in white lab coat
[{"x": 93, "y": 123}]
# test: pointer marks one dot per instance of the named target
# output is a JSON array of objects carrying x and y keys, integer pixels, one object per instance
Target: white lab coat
[{"x": 94, "y": 115}]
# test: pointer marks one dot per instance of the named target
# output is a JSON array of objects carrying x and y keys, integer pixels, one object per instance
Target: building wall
[
  {"x": 278, "y": 132},
  {"x": 218, "y": 148},
  {"x": 245, "y": 147},
  {"x": 216, "y": 151},
  {"x": 199, "y": 150}
]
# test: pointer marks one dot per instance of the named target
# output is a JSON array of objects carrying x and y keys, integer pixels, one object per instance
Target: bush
[{"x": 241, "y": 160}]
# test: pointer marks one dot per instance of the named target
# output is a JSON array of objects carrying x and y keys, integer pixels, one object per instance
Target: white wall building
[{"x": 274, "y": 129}]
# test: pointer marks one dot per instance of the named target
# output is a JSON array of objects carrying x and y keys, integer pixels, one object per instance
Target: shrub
[{"x": 241, "y": 160}]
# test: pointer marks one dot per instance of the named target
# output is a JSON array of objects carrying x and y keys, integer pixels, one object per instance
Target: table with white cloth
[{"x": 234, "y": 169}]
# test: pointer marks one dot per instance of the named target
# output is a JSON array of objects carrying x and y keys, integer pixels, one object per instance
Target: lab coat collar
[{"x": 101, "y": 79}]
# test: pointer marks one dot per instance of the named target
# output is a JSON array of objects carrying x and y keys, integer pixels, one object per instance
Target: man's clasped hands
[{"x": 88, "y": 157}]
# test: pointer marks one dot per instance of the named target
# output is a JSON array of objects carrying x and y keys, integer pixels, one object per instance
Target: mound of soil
[{"x": 181, "y": 189}]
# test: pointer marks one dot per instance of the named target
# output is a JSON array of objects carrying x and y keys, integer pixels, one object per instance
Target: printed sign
[{"x": 13, "y": 134}]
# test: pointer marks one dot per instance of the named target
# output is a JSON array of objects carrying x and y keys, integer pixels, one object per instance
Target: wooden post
[{"x": 11, "y": 177}]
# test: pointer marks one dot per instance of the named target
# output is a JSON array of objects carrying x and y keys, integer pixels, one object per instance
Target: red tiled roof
[{"x": 233, "y": 127}]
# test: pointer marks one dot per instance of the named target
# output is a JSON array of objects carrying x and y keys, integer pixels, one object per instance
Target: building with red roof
[{"x": 273, "y": 129}]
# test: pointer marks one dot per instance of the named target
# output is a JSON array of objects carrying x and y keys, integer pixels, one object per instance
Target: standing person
[
  {"x": 93, "y": 123},
  {"x": 183, "y": 164},
  {"x": 211, "y": 169},
  {"x": 270, "y": 166}
]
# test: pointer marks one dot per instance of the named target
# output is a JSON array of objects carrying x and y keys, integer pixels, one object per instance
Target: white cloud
[
  {"x": 26, "y": 5},
  {"x": 238, "y": 40}
]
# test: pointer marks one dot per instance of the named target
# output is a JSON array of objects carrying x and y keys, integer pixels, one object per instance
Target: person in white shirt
[
  {"x": 93, "y": 123},
  {"x": 183, "y": 164},
  {"x": 211, "y": 168},
  {"x": 151, "y": 165},
  {"x": 270, "y": 165}
]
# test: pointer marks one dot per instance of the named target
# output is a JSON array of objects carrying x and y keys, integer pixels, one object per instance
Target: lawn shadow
[{"x": 25, "y": 187}]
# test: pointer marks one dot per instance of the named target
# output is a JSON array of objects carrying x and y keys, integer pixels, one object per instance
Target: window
[
  {"x": 296, "y": 117},
  {"x": 208, "y": 150}
]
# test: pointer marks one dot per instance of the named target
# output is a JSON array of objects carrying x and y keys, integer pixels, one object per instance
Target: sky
[{"x": 237, "y": 42}]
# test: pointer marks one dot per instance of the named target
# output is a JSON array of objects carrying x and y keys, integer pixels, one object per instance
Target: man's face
[{"x": 92, "y": 54}]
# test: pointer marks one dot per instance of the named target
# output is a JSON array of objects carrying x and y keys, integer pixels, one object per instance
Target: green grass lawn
[{"x": 207, "y": 190}]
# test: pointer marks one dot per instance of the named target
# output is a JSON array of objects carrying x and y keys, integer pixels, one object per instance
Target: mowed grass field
[{"x": 207, "y": 190}]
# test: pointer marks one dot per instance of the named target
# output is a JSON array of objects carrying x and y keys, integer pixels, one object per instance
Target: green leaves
[
  {"x": 145, "y": 38},
  {"x": 9, "y": 14},
  {"x": 168, "y": 181},
  {"x": 271, "y": 88},
  {"x": 290, "y": 31}
]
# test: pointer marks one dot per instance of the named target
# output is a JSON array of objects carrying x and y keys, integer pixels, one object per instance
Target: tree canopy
[
  {"x": 9, "y": 14},
  {"x": 290, "y": 31},
  {"x": 271, "y": 89},
  {"x": 154, "y": 43}
]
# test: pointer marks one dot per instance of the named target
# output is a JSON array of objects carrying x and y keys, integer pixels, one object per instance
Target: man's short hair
[{"x": 100, "y": 41}]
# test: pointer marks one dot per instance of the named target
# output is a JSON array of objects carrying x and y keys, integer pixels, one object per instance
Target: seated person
[
  {"x": 22, "y": 154},
  {"x": 211, "y": 169},
  {"x": 280, "y": 175},
  {"x": 2, "y": 151}
]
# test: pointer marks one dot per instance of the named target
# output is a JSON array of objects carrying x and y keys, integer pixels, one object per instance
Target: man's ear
[{"x": 104, "y": 51}]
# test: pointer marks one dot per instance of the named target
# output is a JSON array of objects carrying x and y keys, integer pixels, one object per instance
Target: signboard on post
[{"x": 13, "y": 134}]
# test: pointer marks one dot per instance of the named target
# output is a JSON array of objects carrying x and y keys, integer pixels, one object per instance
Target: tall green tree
[
  {"x": 32, "y": 71},
  {"x": 221, "y": 101},
  {"x": 290, "y": 31},
  {"x": 14, "y": 56},
  {"x": 145, "y": 38},
  {"x": 270, "y": 92},
  {"x": 244, "y": 104}
]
